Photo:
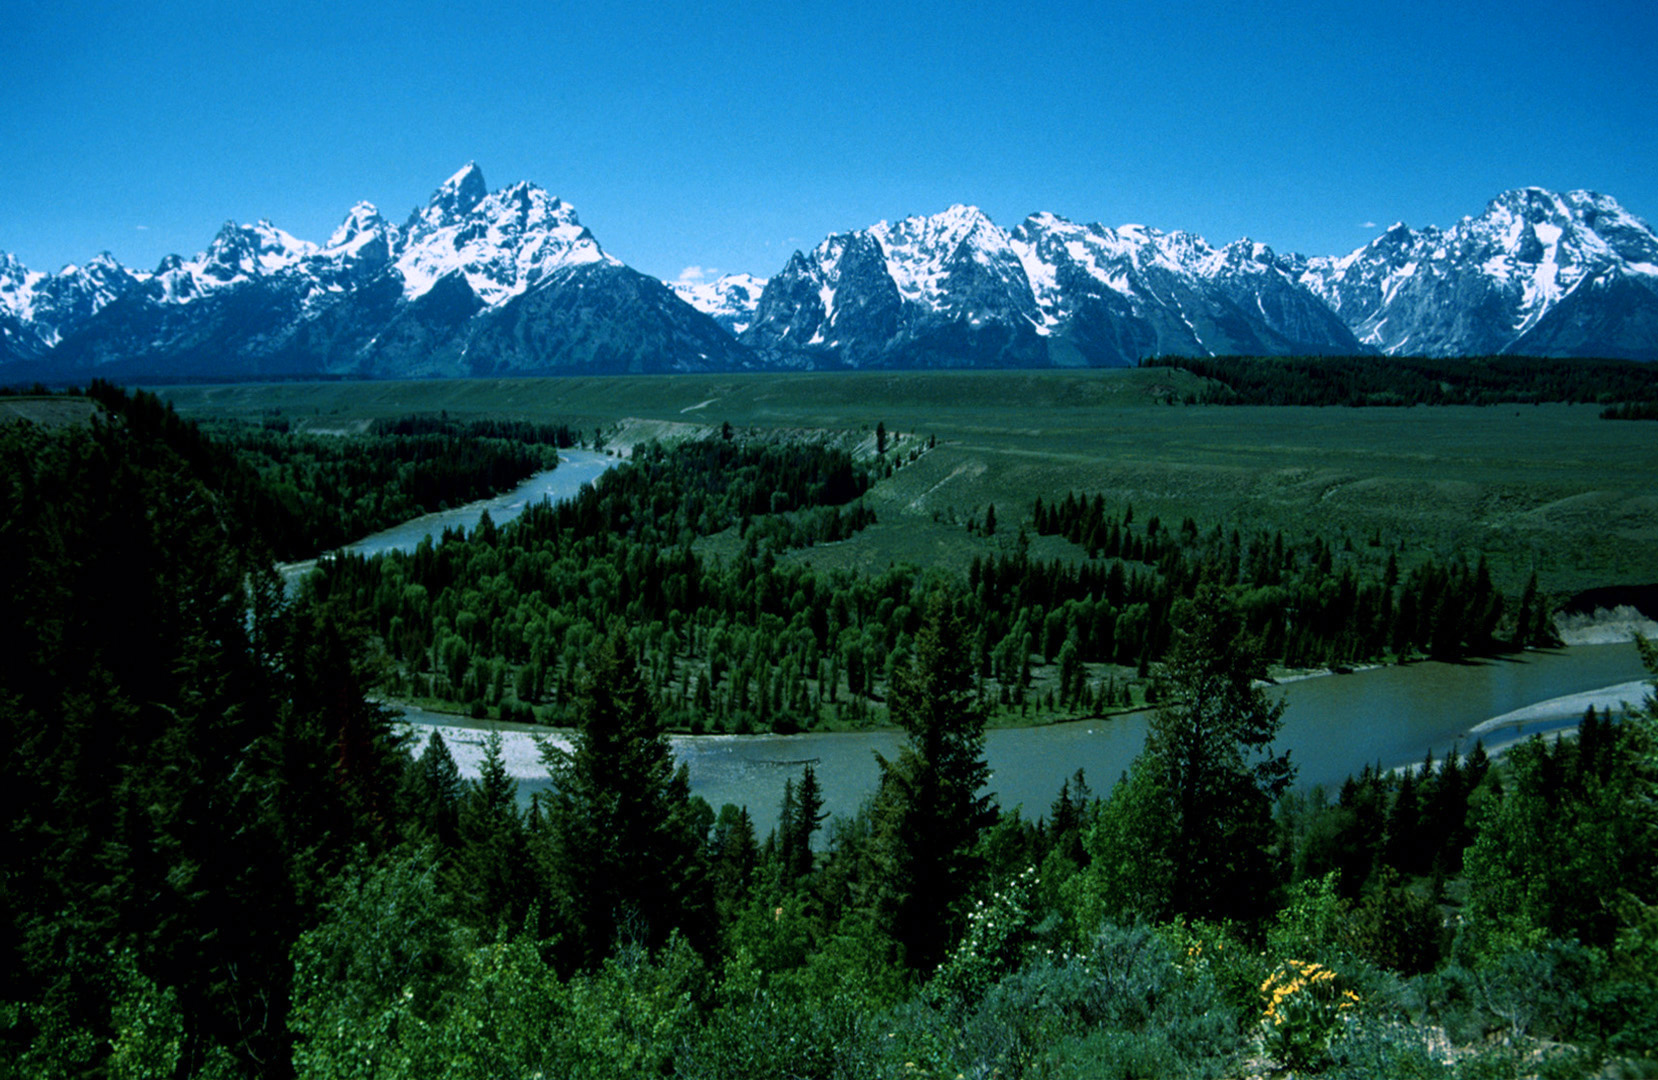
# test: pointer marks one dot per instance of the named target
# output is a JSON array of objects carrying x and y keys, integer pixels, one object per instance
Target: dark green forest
[
  {"x": 497, "y": 623},
  {"x": 1418, "y": 380},
  {"x": 296, "y": 494},
  {"x": 222, "y": 859},
  {"x": 1631, "y": 410}
]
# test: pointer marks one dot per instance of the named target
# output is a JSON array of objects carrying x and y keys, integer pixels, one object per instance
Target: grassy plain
[{"x": 1550, "y": 487}]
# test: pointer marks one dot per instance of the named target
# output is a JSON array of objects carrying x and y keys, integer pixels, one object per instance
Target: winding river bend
[
  {"x": 575, "y": 468},
  {"x": 1333, "y": 725}
]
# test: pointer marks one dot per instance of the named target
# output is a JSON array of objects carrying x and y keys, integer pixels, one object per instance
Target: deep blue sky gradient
[{"x": 726, "y": 135}]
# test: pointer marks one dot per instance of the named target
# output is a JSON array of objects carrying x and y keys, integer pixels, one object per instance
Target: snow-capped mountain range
[
  {"x": 509, "y": 282},
  {"x": 473, "y": 283},
  {"x": 954, "y": 289},
  {"x": 1538, "y": 273}
]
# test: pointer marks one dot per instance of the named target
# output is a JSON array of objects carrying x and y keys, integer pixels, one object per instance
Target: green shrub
[
  {"x": 1126, "y": 982},
  {"x": 1369, "y": 1049},
  {"x": 1517, "y": 994},
  {"x": 1215, "y": 951},
  {"x": 1114, "y": 1055}
]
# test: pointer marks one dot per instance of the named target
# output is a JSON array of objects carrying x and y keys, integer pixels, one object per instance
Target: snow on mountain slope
[
  {"x": 944, "y": 290},
  {"x": 17, "y": 287},
  {"x": 237, "y": 255},
  {"x": 503, "y": 244},
  {"x": 729, "y": 300},
  {"x": 464, "y": 287},
  {"x": 955, "y": 262},
  {"x": 1509, "y": 280},
  {"x": 510, "y": 281},
  {"x": 1050, "y": 292},
  {"x": 37, "y": 310}
]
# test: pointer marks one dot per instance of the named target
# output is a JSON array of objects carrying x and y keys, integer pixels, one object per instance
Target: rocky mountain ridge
[
  {"x": 509, "y": 282},
  {"x": 1538, "y": 273},
  {"x": 473, "y": 283}
]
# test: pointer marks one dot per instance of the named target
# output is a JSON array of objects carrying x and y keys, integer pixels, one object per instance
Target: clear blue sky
[{"x": 726, "y": 135}]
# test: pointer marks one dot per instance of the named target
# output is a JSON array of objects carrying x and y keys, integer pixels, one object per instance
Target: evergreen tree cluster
[
  {"x": 1413, "y": 380},
  {"x": 1309, "y": 602},
  {"x": 498, "y": 621},
  {"x": 1386, "y": 824},
  {"x": 558, "y": 436},
  {"x": 189, "y": 761},
  {"x": 1631, "y": 410},
  {"x": 745, "y": 644},
  {"x": 295, "y": 495},
  {"x": 317, "y": 492}
]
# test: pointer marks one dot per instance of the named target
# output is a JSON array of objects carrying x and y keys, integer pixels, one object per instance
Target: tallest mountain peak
[
  {"x": 469, "y": 178},
  {"x": 460, "y": 193}
]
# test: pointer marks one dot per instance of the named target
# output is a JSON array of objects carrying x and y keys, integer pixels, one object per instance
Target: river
[
  {"x": 575, "y": 468},
  {"x": 1333, "y": 726}
]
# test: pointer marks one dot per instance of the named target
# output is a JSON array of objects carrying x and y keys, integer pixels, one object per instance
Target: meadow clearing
[{"x": 1545, "y": 487}]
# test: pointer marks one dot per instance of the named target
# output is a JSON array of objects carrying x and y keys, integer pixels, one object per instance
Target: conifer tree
[
  {"x": 732, "y": 855},
  {"x": 1188, "y": 833},
  {"x": 802, "y": 815},
  {"x": 437, "y": 792},
  {"x": 493, "y": 866},
  {"x": 928, "y": 811},
  {"x": 625, "y": 838}
]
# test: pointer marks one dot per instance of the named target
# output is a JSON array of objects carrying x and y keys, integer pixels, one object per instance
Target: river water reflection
[
  {"x": 1333, "y": 727},
  {"x": 575, "y": 468}
]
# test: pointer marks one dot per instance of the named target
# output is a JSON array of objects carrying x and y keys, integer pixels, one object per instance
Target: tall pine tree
[
  {"x": 1188, "y": 833},
  {"x": 626, "y": 843},
  {"x": 929, "y": 810}
]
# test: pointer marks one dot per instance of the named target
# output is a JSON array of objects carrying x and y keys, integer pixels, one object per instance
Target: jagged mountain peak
[
  {"x": 1506, "y": 280},
  {"x": 503, "y": 244},
  {"x": 478, "y": 282},
  {"x": 1579, "y": 213},
  {"x": 17, "y": 286},
  {"x": 361, "y": 222},
  {"x": 1247, "y": 256},
  {"x": 47, "y": 306},
  {"x": 104, "y": 263},
  {"x": 925, "y": 255},
  {"x": 242, "y": 252},
  {"x": 1399, "y": 235},
  {"x": 527, "y": 206},
  {"x": 271, "y": 244},
  {"x": 237, "y": 254},
  {"x": 953, "y": 225},
  {"x": 1533, "y": 203},
  {"x": 505, "y": 281},
  {"x": 457, "y": 195}
]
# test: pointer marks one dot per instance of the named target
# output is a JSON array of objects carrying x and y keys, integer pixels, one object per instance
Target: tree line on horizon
[{"x": 1625, "y": 386}]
